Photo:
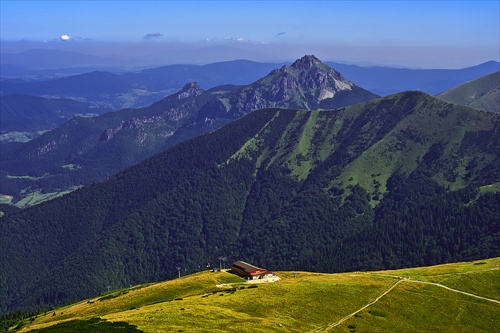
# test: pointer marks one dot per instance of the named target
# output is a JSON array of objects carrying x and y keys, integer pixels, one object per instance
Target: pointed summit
[
  {"x": 189, "y": 90},
  {"x": 306, "y": 62},
  {"x": 307, "y": 84}
]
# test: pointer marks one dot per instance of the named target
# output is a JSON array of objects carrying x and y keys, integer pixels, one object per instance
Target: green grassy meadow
[
  {"x": 19, "y": 136},
  {"x": 299, "y": 302},
  {"x": 5, "y": 199},
  {"x": 36, "y": 197}
]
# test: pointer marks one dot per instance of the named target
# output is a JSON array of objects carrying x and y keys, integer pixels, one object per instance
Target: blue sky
[{"x": 426, "y": 34}]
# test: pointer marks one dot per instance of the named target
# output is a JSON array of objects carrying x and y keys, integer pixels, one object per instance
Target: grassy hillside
[
  {"x": 460, "y": 297},
  {"x": 482, "y": 93}
]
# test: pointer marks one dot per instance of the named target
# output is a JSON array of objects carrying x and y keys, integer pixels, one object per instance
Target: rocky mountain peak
[
  {"x": 307, "y": 84},
  {"x": 306, "y": 62},
  {"x": 189, "y": 90}
]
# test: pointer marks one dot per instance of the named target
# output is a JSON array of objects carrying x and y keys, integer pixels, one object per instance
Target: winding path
[
  {"x": 364, "y": 307},
  {"x": 455, "y": 290},
  {"x": 329, "y": 327}
]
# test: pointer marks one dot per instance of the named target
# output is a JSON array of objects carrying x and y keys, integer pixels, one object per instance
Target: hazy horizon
[{"x": 430, "y": 34}]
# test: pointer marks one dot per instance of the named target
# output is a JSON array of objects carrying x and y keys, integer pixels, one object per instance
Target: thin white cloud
[{"x": 237, "y": 39}]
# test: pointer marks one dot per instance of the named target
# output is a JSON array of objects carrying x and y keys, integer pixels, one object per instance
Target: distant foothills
[
  {"x": 104, "y": 86},
  {"x": 300, "y": 170}
]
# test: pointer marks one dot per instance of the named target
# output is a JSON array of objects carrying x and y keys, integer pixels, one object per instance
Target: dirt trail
[
  {"x": 455, "y": 290},
  {"x": 406, "y": 279},
  {"x": 361, "y": 309}
]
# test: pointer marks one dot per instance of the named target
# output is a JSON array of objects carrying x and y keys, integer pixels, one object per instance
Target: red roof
[{"x": 247, "y": 268}]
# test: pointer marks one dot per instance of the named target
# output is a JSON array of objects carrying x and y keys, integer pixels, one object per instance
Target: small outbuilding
[{"x": 249, "y": 272}]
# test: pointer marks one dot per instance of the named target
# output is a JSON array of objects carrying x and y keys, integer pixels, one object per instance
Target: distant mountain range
[
  {"x": 121, "y": 89},
  {"x": 143, "y": 88},
  {"x": 87, "y": 150},
  {"x": 40, "y": 59},
  {"x": 399, "y": 181},
  {"x": 386, "y": 80},
  {"x": 27, "y": 113}
]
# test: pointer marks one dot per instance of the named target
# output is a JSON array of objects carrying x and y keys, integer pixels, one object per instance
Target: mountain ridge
[
  {"x": 124, "y": 89},
  {"x": 87, "y": 150},
  {"x": 25, "y": 113},
  {"x": 142, "y": 87},
  {"x": 482, "y": 93},
  {"x": 386, "y": 80},
  {"x": 306, "y": 84},
  {"x": 275, "y": 187}
]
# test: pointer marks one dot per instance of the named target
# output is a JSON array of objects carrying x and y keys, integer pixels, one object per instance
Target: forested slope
[{"x": 284, "y": 189}]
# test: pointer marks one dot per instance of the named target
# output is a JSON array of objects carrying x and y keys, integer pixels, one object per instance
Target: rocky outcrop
[
  {"x": 48, "y": 146},
  {"x": 169, "y": 114},
  {"x": 306, "y": 84},
  {"x": 189, "y": 90},
  {"x": 109, "y": 133}
]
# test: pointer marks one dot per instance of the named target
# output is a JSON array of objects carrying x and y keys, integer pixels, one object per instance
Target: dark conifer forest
[{"x": 401, "y": 181}]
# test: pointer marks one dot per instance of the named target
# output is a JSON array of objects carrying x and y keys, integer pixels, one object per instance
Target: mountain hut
[{"x": 249, "y": 272}]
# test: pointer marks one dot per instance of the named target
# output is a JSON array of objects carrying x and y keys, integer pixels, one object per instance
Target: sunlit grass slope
[
  {"x": 482, "y": 93},
  {"x": 301, "y": 302}
]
